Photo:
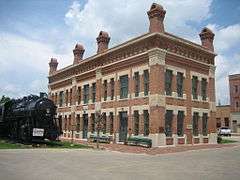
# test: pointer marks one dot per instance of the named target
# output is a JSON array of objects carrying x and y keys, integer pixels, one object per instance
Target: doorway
[
  {"x": 123, "y": 128},
  {"x": 85, "y": 126}
]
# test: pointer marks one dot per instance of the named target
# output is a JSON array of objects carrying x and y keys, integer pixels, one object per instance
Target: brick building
[
  {"x": 156, "y": 85},
  {"x": 234, "y": 87},
  {"x": 223, "y": 116}
]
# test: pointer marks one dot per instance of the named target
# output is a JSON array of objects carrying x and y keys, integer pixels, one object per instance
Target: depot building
[{"x": 156, "y": 85}]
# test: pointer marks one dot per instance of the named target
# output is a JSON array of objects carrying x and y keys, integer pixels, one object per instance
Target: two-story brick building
[
  {"x": 156, "y": 85},
  {"x": 234, "y": 87}
]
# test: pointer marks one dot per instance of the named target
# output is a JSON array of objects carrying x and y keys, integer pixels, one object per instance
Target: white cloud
[
  {"x": 24, "y": 64},
  {"x": 128, "y": 18}
]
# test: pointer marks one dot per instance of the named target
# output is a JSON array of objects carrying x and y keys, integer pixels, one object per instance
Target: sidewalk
[{"x": 154, "y": 150}]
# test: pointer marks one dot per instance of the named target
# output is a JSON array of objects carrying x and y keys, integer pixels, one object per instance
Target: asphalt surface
[{"x": 59, "y": 164}]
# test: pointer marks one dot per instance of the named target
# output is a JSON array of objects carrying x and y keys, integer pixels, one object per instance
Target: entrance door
[
  {"x": 123, "y": 128},
  {"x": 85, "y": 126}
]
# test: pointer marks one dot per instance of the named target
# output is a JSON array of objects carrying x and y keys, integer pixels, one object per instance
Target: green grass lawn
[
  {"x": 227, "y": 141},
  {"x": 6, "y": 144}
]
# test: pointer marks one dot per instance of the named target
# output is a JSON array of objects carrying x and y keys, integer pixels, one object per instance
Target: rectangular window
[
  {"x": 226, "y": 122},
  {"x": 204, "y": 89},
  {"x": 237, "y": 104},
  {"x": 180, "y": 84},
  {"x": 204, "y": 124},
  {"x": 180, "y": 120},
  {"x": 124, "y": 86},
  {"x": 66, "y": 98},
  {"x": 146, "y": 82},
  {"x": 137, "y": 83},
  {"x": 105, "y": 90},
  {"x": 85, "y": 94},
  {"x": 146, "y": 122},
  {"x": 236, "y": 88},
  {"x": 136, "y": 122},
  {"x": 65, "y": 122},
  {"x": 104, "y": 124},
  {"x": 168, "y": 82},
  {"x": 69, "y": 123},
  {"x": 61, "y": 97},
  {"x": 79, "y": 95},
  {"x": 93, "y": 122},
  {"x": 195, "y": 123},
  {"x": 168, "y": 122},
  {"x": 112, "y": 88},
  {"x": 78, "y": 123},
  {"x": 111, "y": 122},
  {"x": 194, "y": 87},
  {"x": 93, "y": 92},
  {"x": 70, "y": 97}
]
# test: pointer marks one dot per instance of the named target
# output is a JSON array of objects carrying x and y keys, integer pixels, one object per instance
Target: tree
[{"x": 4, "y": 99}]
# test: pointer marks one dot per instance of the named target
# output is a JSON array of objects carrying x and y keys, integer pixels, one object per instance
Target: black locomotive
[{"x": 29, "y": 119}]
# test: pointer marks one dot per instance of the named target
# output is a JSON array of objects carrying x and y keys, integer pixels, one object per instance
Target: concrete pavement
[{"x": 59, "y": 164}]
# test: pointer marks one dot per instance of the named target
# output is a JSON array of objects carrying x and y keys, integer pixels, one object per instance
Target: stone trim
[
  {"x": 212, "y": 71},
  {"x": 98, "y": 73},
  {"x": 108, "y": 110},
  {"x": 122, "y": 73},
  {"x": 109, "y": 77},
  {"x": 157, "y": 56},
  {"x": 200, "y": 111},
  {"x": 176, "y": 109},
  {"x": 176, "y": 70},
  {"x": 119, "y": 109},
  {"x": 140, "y": 109},
  {"x": 140, "y": 69},
  {"x": 199, "y": 75},
  {"x": 157, "y": 100},
  {"x": 212, "y": 106}
]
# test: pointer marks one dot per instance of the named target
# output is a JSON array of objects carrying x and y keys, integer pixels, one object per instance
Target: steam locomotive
[{"x": 29, "y": 119}]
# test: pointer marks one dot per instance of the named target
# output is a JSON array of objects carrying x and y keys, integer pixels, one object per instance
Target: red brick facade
[{"x": 150, "y": 56}]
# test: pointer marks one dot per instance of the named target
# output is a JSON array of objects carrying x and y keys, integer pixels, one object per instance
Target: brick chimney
[
  {"x": 53, "y": 66},
  {"x": 78, "y": 52},
  {"x": 156, "y": 16},
  {"x": 102, "y": 41},
  {"x": 207, "y": 37}
]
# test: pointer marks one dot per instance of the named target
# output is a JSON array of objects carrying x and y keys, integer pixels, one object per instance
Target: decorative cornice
[{"x": 136, "y": 46}]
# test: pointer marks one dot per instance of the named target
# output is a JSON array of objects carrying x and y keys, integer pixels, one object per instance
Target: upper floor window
[
  {"x": 180, "y": 84},
  {"x": 93, "y": 92},
  {"x": 204, "y": 89},
  {"x": 137, "y": 83},
  {"x": 105, "y": 90},
  {"x": 204, "y": 124},
  {"x": 61, "y": 97},
  {"x": 146, "y": 82},
  {"x": 124, "y": 86},
  {"x": 237, "y": 105},
  {"x": 85, "y": 94},
  {"x": 79, "y": 95},
  {"x": 195, "y": 123},
  {"x": 66, "y": 97},
  {"x": 112, "y": 88},
  {"x": 236, "y": 88},
  {"x": 70, "y": 97},
  {"x": 168, "y": 82},
  {"x": 168, "y": 122},
  {"x": 194, "y": 87}
]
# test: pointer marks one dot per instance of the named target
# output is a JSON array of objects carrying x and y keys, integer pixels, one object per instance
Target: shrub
[{"x": 219, "y": 139}]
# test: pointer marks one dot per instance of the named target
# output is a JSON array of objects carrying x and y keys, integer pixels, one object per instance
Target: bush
[
  {"x": 139, "y": 141},
  {"x": 219, "y": 139}
]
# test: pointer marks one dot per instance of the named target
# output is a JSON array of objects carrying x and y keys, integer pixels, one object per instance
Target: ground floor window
[
  {"x": 78, "y": 123},
  {"x": 180, "y": 119},
  {"x": 195, "y": 123},
  {"x": 93, "y": 122},
  {"x": 168, "y": 122},
  {"x": 104, "y": 125},
  {"x": 146, "y": 122},
  {"x": 65, "y": 122},
  {"x": 111, "y": 122},
  {"x": 136, "y": 122},
  {"x": 204, "y": 124}
]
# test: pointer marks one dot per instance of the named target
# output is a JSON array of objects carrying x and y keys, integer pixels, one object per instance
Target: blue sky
[{"x": 33, "y": 31}]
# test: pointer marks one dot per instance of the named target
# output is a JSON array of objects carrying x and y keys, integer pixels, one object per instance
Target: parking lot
[{"x": 38, "y": 164}]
